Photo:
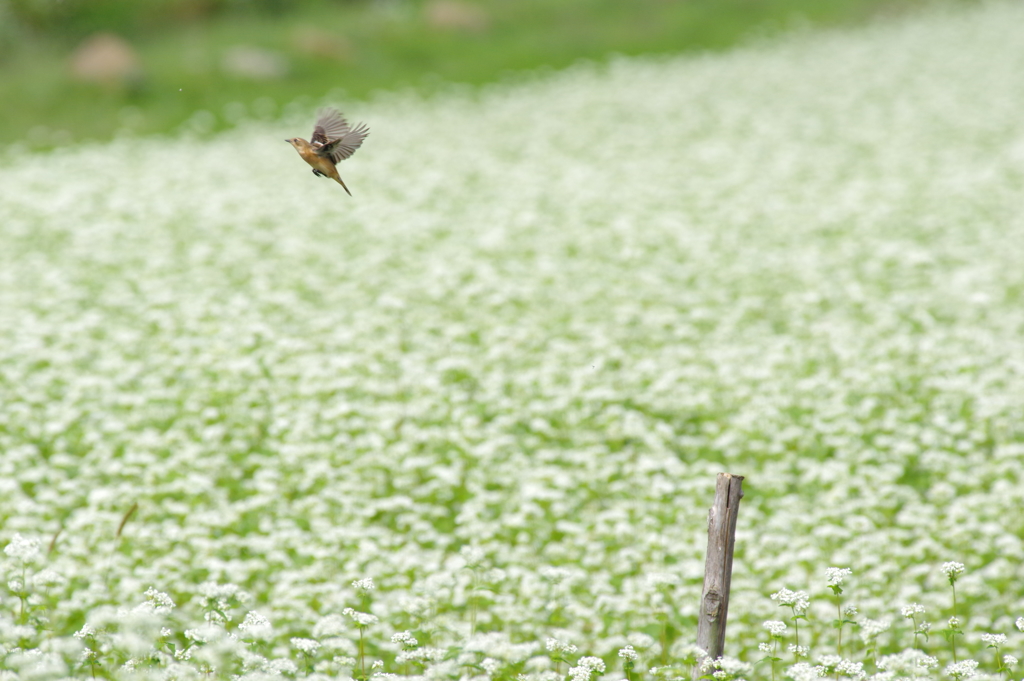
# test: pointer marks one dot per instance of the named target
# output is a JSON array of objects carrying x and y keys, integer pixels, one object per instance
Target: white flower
[
  {"x": 798, "y": 600},
  {"x": 157, "y": 602},
  {"x": 404, "y": 639},
  {"x": 764, "y": 647},
  {"x": 1009, "y": 660},
  {"x": 907, "y": 663},
  {"x": 802, "y": 671},
  {"x": 47, "y": 578},
  {"x": 964, "y": 669},
  {"x": 952, "y": 570},
  {"x": 306, "y": 645},
  {"x": 22, "y": 549},
  {"x": 560, "y": 647},
  {"x": 775, "y": 628},
  {"x": 282, "y": 666},
  {"x": 628, "y": 653},
  {"x": 852, "y": 669},
  {"x": 869, "y": 629},
  {"x": 585, "y": 667},
  {"x": 555, "y": 575},
  {"x": 256, "y": 626},
  {"x": 86, "y": 631},
  {"x": 911, "y": 610},
  {"x": 798, "y": 651},
  {"x": 1020, "y": 624},
  {"x": 364, "y": 585},
  {"x": 993, "y": 640},
  {"x": 835, "y": 576},
  {"x": 361, "y": 619}
]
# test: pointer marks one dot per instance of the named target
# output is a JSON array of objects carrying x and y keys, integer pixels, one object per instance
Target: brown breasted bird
[{"x": 333, "y": 140}]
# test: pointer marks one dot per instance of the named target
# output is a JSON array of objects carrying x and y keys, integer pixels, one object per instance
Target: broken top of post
[{"x": 714, "y": 599}]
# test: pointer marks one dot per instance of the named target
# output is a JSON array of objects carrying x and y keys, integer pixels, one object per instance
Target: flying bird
[{"x": 333, "y": 140}]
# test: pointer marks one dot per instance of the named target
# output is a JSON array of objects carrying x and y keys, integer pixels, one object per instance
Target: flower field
[{"x": 466, "y": 424}]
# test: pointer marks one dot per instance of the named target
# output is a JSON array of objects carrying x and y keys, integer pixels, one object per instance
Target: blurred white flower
[{"x": 22, "y": 548}]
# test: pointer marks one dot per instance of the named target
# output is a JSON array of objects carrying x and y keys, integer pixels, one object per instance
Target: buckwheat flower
[
  {"x": 733, "y": 667},
  {"x": 16, "y": 585},
  {"x": 964, "y": 669},
  {"x": 1020, "y": 624},
  {"x": 911, "y": 610},
  {"x": 798, "y": 600},
  {"x": 1009, "y": 660},
  {"x": 256, "y": 626},
  {"x": 640, "y": 640},
  {"x": 803, "y": 671},
  {"x": 775, "y": 628},
  {"x": 829, "y": 661},
  {"x": 364, "y": 585},
  {"x": 490, "y": 665},
  {"x": 952, "y": 570},
  {"x": 157, "y": 601},
  {"x": 798, "y": 651},
  {"x": 925, "y": 627},
  {"x": 86, "y": 631},
  {"x": 628, "y": 653},
  {"x": 473, "y": 555},
  {"x": 850, "y": 611},
  {"x": 330, "y": 625},
  {"x": 48, "y": 578},
  {"x": 196, "y": 635},
  {"x": 404, "y": 639},
  {"x": 377, "y": 664},
  {"x": 362, "y": 619},
  {"x": 835, "y": 576},
  {"x": 282, "y": 666},
  {"x": 560, "y": 647},
  {"x": 22, "y": 549},
  {"x": 852, "y": 669},
  {"x": 555, "y": 575},
  {"x": 305, "y": 645},
  {"x": 585, "y": 667},
  {"x": 954, "y": 622},
  {"x": 993, "y": 640},
  {"x": 869, "y": 629},
  {"x": 910, "y": 662},
  {"x": 764, "y": 647}
]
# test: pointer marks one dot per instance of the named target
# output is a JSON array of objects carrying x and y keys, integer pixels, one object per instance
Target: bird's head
[{"x": 297, "y": 142}]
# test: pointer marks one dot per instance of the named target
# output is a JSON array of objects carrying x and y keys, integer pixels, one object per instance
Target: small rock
[{"x": 106, "y": 59}]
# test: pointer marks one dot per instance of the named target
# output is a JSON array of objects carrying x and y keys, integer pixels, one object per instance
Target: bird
[{"x": 333, "y": 140}]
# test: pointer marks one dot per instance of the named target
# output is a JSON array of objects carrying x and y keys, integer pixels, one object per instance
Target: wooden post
[{"x": 714, "y": 600}]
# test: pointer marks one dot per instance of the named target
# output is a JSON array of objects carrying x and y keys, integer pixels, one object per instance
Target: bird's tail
[{"x": 338, "y": 178}]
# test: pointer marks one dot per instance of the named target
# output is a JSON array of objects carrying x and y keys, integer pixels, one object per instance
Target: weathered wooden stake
[{"x": 714, "y": 600}]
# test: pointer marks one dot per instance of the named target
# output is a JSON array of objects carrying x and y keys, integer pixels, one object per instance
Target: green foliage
[{"x": 347, "y": 50}]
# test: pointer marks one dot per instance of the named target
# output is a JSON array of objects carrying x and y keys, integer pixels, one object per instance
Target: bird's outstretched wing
[
  {"x": 330, "y": 125},
  {"x": 346, "y": 145}
]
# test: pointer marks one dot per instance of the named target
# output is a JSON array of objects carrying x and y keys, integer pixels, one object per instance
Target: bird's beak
[{"x": 288, "y": 141}]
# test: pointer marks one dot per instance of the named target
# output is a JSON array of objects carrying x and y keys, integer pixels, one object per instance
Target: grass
[
  {"x": 349, "y": 51},
  {"x": 499, "y": 380}
]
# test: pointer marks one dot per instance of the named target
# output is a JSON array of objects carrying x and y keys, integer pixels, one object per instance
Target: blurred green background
[{"x": 75, "y": 70}]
